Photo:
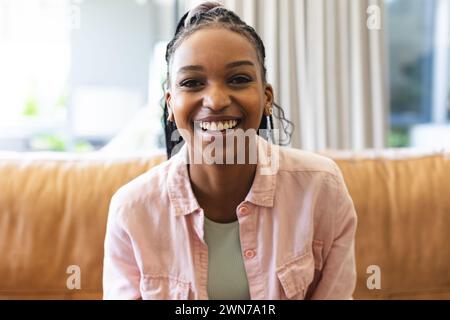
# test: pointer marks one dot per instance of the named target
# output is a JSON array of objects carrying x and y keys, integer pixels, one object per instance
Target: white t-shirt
[{"x": 227, "y": 278}]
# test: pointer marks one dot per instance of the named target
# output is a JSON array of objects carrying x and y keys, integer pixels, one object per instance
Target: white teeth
[{"x": 218, "y": 125}]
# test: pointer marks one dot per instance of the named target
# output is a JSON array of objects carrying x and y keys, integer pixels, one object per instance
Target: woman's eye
[
  {"x": 191, "y": 83},
  {"x": 240, "y": 80}
]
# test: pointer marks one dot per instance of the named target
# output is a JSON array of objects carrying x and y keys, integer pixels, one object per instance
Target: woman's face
[{"x": 216, "y": 83}]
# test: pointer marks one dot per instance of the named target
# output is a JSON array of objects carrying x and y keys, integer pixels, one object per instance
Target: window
[
  {"x": 419, "y": 52},
  {"x": 74, "y": 74},
  {"x": 447, "y": 96},
  {"x": 34, "y": 64}
]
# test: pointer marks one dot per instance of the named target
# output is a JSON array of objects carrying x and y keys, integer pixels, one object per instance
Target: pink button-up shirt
[{"x": 297, "y": 226}]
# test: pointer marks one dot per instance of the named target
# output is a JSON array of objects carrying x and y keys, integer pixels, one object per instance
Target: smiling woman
[{"x": 209, "y": 224}]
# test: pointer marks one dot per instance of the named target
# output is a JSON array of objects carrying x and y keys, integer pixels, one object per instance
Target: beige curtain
[{"x": 326, "y": 61}]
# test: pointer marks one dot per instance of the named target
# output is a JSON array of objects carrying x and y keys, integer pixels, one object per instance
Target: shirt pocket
[
  {"x": 162, "y": 287},
  {"x": 295, "y": 276}
]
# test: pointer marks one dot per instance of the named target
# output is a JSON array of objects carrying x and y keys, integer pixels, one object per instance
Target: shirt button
[
  {"x": 249, "y": 253},
  {"x": 244, "y": 210}
]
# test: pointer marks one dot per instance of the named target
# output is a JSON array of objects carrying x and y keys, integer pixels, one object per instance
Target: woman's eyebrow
[
  {"x": 240, "y": 63},
  {"x": 228, "y": 66}
]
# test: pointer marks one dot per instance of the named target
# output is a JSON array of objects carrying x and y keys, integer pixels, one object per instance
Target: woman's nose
[{"x": 216, "y": 97}]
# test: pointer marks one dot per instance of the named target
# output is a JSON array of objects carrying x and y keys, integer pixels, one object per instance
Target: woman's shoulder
[{"x": 145, "y": 186}]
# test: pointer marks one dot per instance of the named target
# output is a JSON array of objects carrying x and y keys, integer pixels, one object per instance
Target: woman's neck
[{"x": 219, "y": 189}]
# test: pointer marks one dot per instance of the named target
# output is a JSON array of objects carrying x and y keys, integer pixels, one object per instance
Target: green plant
[
  {"x": 50, "y": 142},
  {"x": 55, "y": 142},
  {"x": 62, "y": 101},
  {"x": 398, "y": 138},
  {"x": 31, "y": 107},
  {"x": 83, "y": 146}
]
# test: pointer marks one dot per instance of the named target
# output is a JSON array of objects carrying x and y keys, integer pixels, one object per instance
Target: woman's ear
[
  {"x": 168, "y": 98},
  {"x": 268, "y": 91}
]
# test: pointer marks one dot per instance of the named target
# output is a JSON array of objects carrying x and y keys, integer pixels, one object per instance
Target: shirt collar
[{"x": 261, "y": 193}]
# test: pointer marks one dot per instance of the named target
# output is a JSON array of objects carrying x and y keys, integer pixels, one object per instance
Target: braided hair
[{"x": 208, "y": 15}]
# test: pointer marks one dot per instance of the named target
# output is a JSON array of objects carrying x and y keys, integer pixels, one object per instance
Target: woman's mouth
[
  {"x": 211, "y": 127},
  {"x": 217, "y": 126}
]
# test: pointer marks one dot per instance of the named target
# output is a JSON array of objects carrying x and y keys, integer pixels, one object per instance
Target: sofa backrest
[
  {"x": 402, "y": 200},
  {"x": 53, "y": 212}
]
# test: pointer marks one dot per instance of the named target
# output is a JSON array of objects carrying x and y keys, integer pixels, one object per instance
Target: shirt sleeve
[
  {"x": 338, "y": 278},
  {"x": 121, "y": 275}
]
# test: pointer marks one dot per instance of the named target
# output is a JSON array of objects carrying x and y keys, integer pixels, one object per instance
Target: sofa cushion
[
  {"x": 402, "y": 201},
  {"x": 53, "y": 212}
]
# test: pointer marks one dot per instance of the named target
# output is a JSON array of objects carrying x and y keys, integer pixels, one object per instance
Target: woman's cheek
[{"x": 181, "y": 113}]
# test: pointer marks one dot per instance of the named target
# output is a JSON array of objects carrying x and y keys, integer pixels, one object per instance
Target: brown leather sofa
[{"x": 53, "y": 210}]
